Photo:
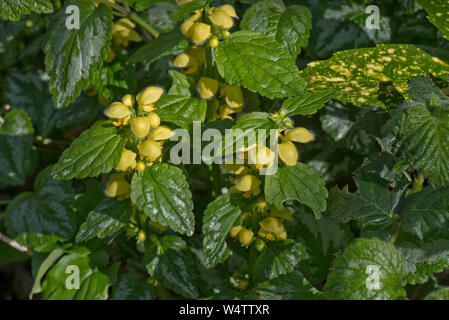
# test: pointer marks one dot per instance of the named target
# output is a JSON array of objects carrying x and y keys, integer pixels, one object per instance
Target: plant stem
[
  {"x": 216, "y": 179},
  {"x": 15, "y": 244}
]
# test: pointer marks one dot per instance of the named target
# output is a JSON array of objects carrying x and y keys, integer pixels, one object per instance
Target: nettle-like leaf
[
  {"x": 260, "y": 64},
  {"x": 358, "y": 74},
  {"x": 278, "y": 258},
  {"x": 162, "y": 46},
  {"x": 44, "y": 216},
  {"x": 182, "y": 84},
  {"x": 438, "y": 11},
  {"x": 97, "y": 150},
  {"x": 308, "y": 103},
  {"x": 14, "y": 9},
  {"x": 218, "y": 219},
  {"x": 162, "y": 192},
  {"x": 367, "y": 269},
  {"x": 424, "y": 126},
  {"x": 73, "y": 56},
  {"x": 130, "y": 287},
  {"x": 299, "y": 182},
  {"x": 108, "y": 218},
  {"x": 188, "y": 8},
  {"x": 440, "y": 294},
  {"x": 29, "y": 91},
  {"x": 171, "y": 263},
  {"x": 94, "y": 284},
  {"x": 288, "y": 25},
  {"x": 17, "y": 157},
  {"x": 190, "y": 108}
]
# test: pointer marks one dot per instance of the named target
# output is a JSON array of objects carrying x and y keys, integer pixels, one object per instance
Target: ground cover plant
[{"x": 114, "y": 113}]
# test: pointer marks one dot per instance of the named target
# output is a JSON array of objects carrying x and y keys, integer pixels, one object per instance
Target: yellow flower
[
  {"x": 118, "y": 187},
  {"x": 224, "y": 112},
  {"x": 141, "y": 236},
  {"x": 272, "y": 229},
  {"x": 123, "y": 32},
  {"x": 140, "y": 166},
  {"x": 154, "y": 119},
  {"x": 245, "y": 236},
  {"x": 213, "y": 42},
  {"x": 234, "y": 232},
  {"x": 186, "y": 26},
  {"x": 233, "y": 96},
  {"x": 161, "y": 133},
  {"x": 283, "y": 214},
  {"x": 236, "y": 168},
  {"x": 199, "y": 32},
  {"x": 148, "y": 97},
  {"x": 128, "y": 100},
  {"x": 140, "y": 126},
  {"x": 118, "y": 111},
  {"x": 207, "y": 87},
  {"x": 150, "y": 149},
  {"x": 111, "y": 56},
  {"x": 259, "y": 244},
  {"x": 127, "y": 160},
  {"x": 229, "y": 10},
  {"x": 248, "y": 184},
  {"x": 220, "y": 19},
  {"x": 288, "y": 153},
  {"x": 261, "y": 156},
  {"x": 301, "y": 135}
]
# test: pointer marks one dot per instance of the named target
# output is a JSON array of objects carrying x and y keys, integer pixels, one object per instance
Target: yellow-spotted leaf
[
  {"x": 359, "y": 73},
  {"x": 438, "y": 14}
]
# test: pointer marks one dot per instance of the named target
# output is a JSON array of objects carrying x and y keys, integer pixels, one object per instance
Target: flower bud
[
  {"x": 186, "y": 26},
  {"x": 161, "y": 133},
  {"x": 233, "y": 96},
  {"x": 288, "y": 153},
  {"x": 260, "y": 245},
  {"x": 149, "y": 96},
  {"x": 140, "y": 126},
  {"x": 150, "y": 148},
  {"x": 117, "y": 110},
  {"x": 245, "y": 236},
  {"x": 226, "y": 34},
  {"x": 154, "y": 119},
  {"x": 220, "y": 19},
  {"x": 213, "y": 42},
  {"x": 182, "y": 61},
  {"x": 128, "y": 100},
  {"x": 234, "y": 232},
  {"x": 243, "y": 284},
  {"x": 140, "y": 166},
  {"x": 127, "y": 160},
  {"x": 111, "y": 56},
  {"x": 229, "y": 10},
  {"x": 200, "y": 32},
  {"x": 301, "y": 135},
  {"x": 207, "y": 87},
  {"x": 141, "y": 236},
  {"x": 117, "y": 186}
]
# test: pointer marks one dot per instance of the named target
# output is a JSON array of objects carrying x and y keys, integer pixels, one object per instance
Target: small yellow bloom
[
  {"x": 283, "y": 214},
  {"x": 207, "y": 87},
  {"x": 141, "y": 236},
  {"x": 127, "y": 160},
  {"x": 248, "y": 184},
  {"x": 245, "y": 236},
  {"x": 128, "y": 100},
  {"x": 150, "y": 149},
  {"x": 155, "y": 120},
  {"x": 233, "y": 96},
  {"x": 220, "y": 19},
  {"x": 118, "y": 187},
  {"x": 140, "y": 166},
  {"x": 182, "y": 61},
  {"x": 123, "y": 33},
  {"x": 301, "y": 135},
  {"x": 117, "y": 110},
  {"x": 213, "y": 42},
  {"x": 260, "y": 245},
  {"x": 272, "y": 229},
  {"x": 199, "y": 32},
  {"x": 288, "y": 153},
  {"x": 261, "y": 156},
  {"x": 236, "y": 168},
  {"x": 186, "y": 26},
  {"x": 234, "y": 232},
  {"x": 161, "y": 133},
  {"x": 140, "y": 126},
  {"x": 148, "y": 97},
  {"x": 229, "y": 10}
]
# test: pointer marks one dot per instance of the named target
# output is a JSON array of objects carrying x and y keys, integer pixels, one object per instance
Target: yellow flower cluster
[
  {"x": 147, "y": 129},
  {"x": 123, "y": 32},
  {"x": 271, "y": 225}
]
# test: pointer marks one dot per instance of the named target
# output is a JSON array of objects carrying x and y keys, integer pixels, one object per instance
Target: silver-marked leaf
[{"x": 14, "y": 9}]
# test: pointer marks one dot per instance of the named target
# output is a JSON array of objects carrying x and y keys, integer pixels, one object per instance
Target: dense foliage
[{"x": 93, "y": 205}]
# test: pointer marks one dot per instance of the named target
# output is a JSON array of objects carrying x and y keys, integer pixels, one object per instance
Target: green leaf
[
  {"x": 438, "y": 11},
  {"x": 424, "y": 126},
  {"x": 291, "y": 286},
  {"x": 290, "y": 26},
  {"x": 308, "y": 103},
  {"x": 358, "y": 74},
  {"x": 45, "y": 214},
  {"x": 440, "y": 294},
  {"x": 162, "y": 192},
  {"x": 97, "y": 150},
  {"x": 17, "y": 158},
  {"x": 93, "y": 283},
  {"x": 14, "y": 9},
  {"x": 182, "y": 84},
  {"x": 260, "y": 64},
  {"x": 299, "y": 182},
  {"x": 172, "y": 264},
  {"x": 130, "y": 287},
  {"x": 109, "y": 217},
  {"x": 189, "y": 8},
  {"x": 218, "y": 219},
  {"x": 190, "y": 108},
  {"x": 43, "y": 268},
  {"x": 157, "y": 48},
  {"x": 74, "y": 56},
  {"x": 278, "y": 258},
  {"x": 367, "y": 269}
]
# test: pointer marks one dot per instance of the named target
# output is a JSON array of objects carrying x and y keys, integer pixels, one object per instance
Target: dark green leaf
[
  {"x": 308, "y": 103},
  {"x": 14, "y": 9}
]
